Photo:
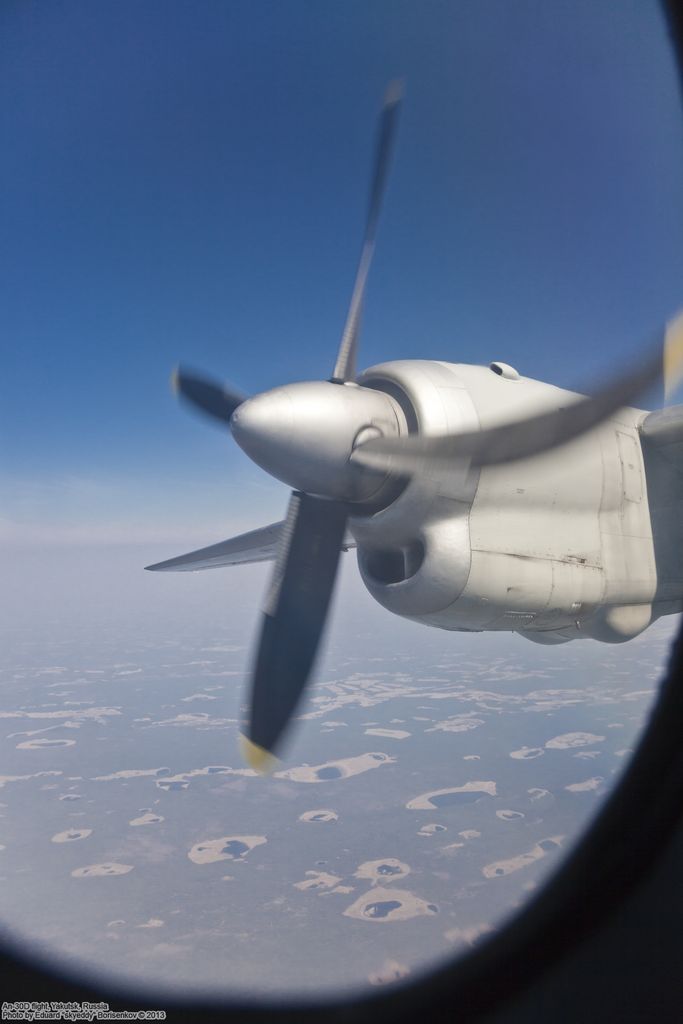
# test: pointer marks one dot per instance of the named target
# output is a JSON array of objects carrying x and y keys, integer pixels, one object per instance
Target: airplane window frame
[{"x": 610, "y": 862}]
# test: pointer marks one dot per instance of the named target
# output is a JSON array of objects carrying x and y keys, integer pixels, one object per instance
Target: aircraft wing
[{"x": 256, "y": 546}]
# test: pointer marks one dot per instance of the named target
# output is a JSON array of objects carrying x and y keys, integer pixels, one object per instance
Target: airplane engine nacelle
[
  {"x": 414, "y": 556},
  {"x": 553, "y": 547}
]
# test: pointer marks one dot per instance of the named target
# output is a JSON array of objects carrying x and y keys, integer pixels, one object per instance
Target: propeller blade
[
  {"x": 293, "y": 618},
  {"x": 538, "y": 433},
  {"x": 345, "y": 367},
  {"x": 208, "y": 396}
]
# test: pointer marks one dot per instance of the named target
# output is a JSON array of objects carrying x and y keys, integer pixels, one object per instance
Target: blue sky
[{"x": 187, "y": 182}]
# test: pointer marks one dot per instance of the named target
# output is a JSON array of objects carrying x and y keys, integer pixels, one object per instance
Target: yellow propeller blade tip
[
  {"x": 673, "y": 354},
  {"x": 175, "y": 381},
  {"x": 257, "y": 758}
]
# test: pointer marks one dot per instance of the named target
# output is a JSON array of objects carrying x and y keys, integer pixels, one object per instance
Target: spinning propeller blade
[
  {"x": 208, "y": 396},
  {"x": 536, "y": 434},
  {"x": 293, "y": 618},
  {"x": 345, "y": 367}
]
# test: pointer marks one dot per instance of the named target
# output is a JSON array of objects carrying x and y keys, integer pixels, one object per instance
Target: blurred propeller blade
[
  {"x": 208, "y": 396},
  {"x": 522, "y": 439},
  {"x": 345, "y": 367},
  {"x": 293, "y": 618}
]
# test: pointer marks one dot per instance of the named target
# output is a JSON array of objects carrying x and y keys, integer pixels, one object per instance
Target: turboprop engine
[{"x": 394, "y": 459}]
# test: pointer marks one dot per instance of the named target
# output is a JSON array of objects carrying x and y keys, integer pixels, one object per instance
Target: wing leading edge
[{"x": 256, "y": 546}]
